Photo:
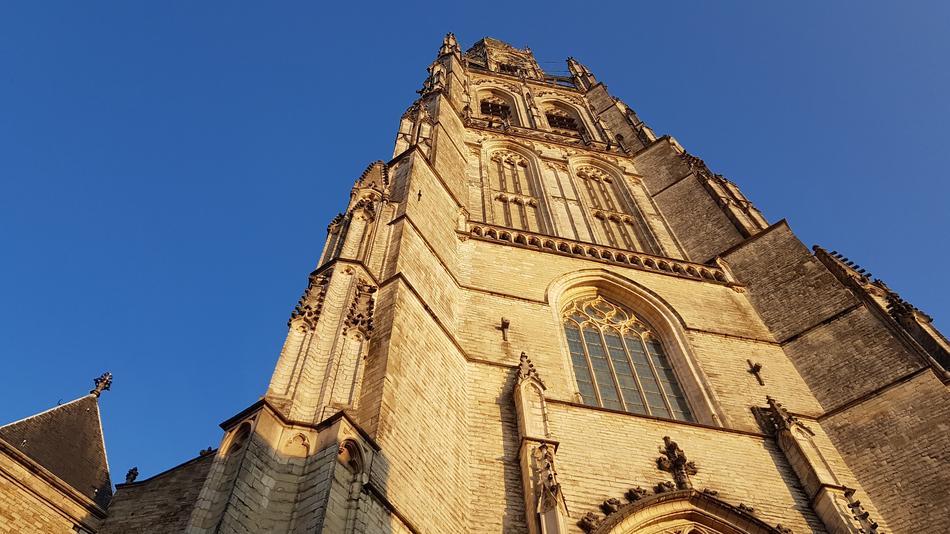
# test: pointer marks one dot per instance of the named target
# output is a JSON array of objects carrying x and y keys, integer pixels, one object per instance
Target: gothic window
[
  {"x": 498, "y": 106},
  {"x": 495, "y": 108},
  {"x": 620, "y": 362},
  {"x": 563, "y": 119},
  {"x": 616, "y": 225},
  {"x": 513, "y": 192}
]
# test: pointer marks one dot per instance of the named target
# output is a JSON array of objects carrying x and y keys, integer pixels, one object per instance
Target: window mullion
[
  {"x": 659, "y": 382},
  {"x": 636, "y": 377},
  {"x": 590, "y": 367},
  {"x": 613, "y": 370}
]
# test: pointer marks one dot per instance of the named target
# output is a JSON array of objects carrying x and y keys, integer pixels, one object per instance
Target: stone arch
[
  {"x": 494, "y": 196},
  {"x": 632, "y": 229},
  {"x": 514, "y": 101},
  {"x": 237, "y": 439},
  {"x": 687, "y": 511},
  {"x": 559, "y": 106},
  {"x": 658, "y": 313}
]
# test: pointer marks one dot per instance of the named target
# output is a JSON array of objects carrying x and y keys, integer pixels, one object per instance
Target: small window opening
[
  {"x": 508, "y": 69},
  {"x": 495, "y": 109}
]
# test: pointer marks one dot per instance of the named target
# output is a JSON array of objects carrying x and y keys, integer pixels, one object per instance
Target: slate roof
[{"x": 67, "y": 441}]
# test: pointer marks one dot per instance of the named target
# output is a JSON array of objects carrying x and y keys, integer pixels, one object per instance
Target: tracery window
[
  {"x": 495, "y": 108},
  {"x": 619, "y": 362},
  {"x": 513, "y": 191},
  {"x": 563, "y": 119}
]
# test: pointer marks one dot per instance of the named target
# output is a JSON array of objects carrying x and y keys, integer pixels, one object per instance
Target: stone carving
[
  {"x": 635, "y": 494},
  {"x": 526, "y": 370},
  {"x": 364, "y": 208},
  {"x": 436, "y": 80},
  {"x": 781, "y": 419},
  {"x": 664, "y": 487},
  {"x": 360, "y": 315},
  {"x": 674, "y": 461},
  {"x": 617, "y": 256},
  {"x": 131, "y": 475},
  {"x": 103, "y": 383},
  {"x": 307, "y": 311},
  {"x": 588, "y": 172},
  {"x": 549, "y": 487},
  {"x": 611, "y": 505},
  {"x": 205, "y": 452},
  {"x": 710, "y": 492},
  {"x": 335, "y": 224},
  {"x": 505, "y": 325},
  {"x": 449, "y": 45},
  {"x": 862, "y": 516},
  {"x": 589, "y": 522},
  {"x": 756, "y": 369},
  {"x": 509, "y": 158},
  {"x": 783, "y": 529},
  {"x": 746, "y": 509}
]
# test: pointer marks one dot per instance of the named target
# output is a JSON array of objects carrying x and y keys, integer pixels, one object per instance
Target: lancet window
[
  {"x": 495, "y": 107},
  {"x": 514, "y": 197},
  {"x": 619, "y": 361},
  {"x": 618, "y": 227}
]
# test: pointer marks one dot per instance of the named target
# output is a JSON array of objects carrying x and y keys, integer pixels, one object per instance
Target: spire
[
  {"x": 450, "y": 46},
  {"x": 582, "y": 75},
  {"x": 103, "y": 383}
]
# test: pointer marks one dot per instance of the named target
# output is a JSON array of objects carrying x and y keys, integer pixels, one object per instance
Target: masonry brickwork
[{"x": 429, "y": 382}]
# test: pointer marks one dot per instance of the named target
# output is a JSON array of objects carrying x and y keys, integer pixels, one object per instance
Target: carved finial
[
  {"x": 449, "y": 45},
  {"x": 674, "y": 461},
  {"x": 527, "y": 371},
  {"x": 205, "y": 452},
  {"x": 781, "y": 418},
  {"x": 131, "y": 475},
  {"x": 664, "y": 487},
  {"x": 103, "y": 383}
]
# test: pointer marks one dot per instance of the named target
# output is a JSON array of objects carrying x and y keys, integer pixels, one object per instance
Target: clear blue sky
[{"x": 168, "y": 169}]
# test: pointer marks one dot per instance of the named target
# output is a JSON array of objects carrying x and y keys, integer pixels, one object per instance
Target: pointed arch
[
  {"x": 682, "y": 511},
  {"x": 556, "y": 109},
  {"x": 490, "y": 103},
  {"x": 513, "y": 194},
  {"x": 663, "y": 318}
]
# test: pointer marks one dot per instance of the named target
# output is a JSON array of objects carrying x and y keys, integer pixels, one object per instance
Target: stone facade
[{"x": 721, "y": 377}]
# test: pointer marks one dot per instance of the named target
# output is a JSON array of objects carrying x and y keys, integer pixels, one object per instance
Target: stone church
[{"x": 539, "y": 317}]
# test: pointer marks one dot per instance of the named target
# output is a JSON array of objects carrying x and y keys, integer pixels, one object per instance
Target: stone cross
[
  {"x": 674, "y": 461},
  {"x": 756, "y": 369}
]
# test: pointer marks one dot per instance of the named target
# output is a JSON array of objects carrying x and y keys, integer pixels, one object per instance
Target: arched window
[
  {"x": 619, "y": 362},
  {"x": 563, "y": 119},
  {"x": 498, "y": 106},
  {"x": 514, "y": 192}
]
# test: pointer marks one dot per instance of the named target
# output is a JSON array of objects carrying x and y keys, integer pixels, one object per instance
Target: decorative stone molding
[
  {"x": 450, "y": 46},
  {"x": 549, "y": 486},
  {"x": 509, "y": 158},
  {"x": 526, "y": 370},
  {"x": 626, "y": 258},
  {"x": 782, "y": 419},
  {"x": 360, "y": 315},
  {"x": 862, "y": 516},
  {"x": 307, "y": 311},
  {"x": 131, "y": 475},
  {"x": 588, "y": 172},
  {"x": 685, "y": 510},
  {"x": 674, "y": 461}
]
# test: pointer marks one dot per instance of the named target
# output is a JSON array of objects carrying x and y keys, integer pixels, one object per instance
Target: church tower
[{"x": 540, "y": 317}]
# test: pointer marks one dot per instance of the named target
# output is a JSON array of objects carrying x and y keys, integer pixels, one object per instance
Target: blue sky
[{"x": 168, "y": 169}]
